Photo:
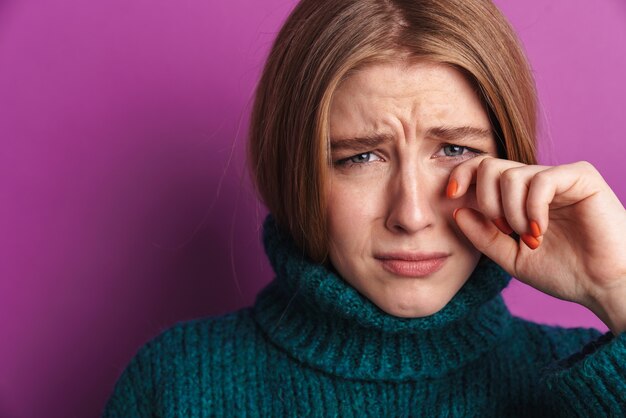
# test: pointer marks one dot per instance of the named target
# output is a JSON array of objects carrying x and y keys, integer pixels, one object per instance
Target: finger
[
  {"x": 485, "y": 173},
  {"x": 466, "y": 173},
  {"x": 488, "y": 192},
  {"x": 514, "y": 189},
  {"x": 540, "y": 193},
  {"x": 549, "y": 185},
  {"x": 487, "y": 239},
  {"x": 462, "y": 176}
]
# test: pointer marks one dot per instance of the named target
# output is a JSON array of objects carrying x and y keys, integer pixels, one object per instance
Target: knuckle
[
  {"x": 586, "y": 166},
  {"x": 541, "y": 179},
  {"x": 488, "y": 169},
  {"x": 485, "y": 165},
  {"x": 490, "y": 241},
  {"x": 508, "y": 177}
]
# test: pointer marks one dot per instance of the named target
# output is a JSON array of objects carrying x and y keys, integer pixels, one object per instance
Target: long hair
[{"x": 325, "y": 41}]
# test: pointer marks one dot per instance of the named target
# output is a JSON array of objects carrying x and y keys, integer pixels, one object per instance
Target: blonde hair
[{"x": 323, "y": 42}]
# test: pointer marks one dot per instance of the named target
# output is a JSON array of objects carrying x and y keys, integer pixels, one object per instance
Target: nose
[{"x": 410, "y": 202}]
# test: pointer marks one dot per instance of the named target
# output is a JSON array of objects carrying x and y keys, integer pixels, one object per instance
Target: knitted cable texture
[{"x": 312, "y": 346}]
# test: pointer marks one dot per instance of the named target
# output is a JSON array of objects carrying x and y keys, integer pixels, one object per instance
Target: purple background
[{"x": 124, "y": 202}]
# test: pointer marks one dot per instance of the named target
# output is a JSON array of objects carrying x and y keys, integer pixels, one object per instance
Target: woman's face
[{"x": 396, "y": 133}]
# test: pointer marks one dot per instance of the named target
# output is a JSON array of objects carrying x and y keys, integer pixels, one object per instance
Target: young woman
[{"x": 394, "y": 144}]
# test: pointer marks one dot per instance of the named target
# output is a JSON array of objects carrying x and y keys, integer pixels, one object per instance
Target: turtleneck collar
[{"x": 322, "y": 321}]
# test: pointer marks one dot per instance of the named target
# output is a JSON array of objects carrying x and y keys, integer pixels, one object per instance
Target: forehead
[
  {"x": 418, "y": 93},
  {"x": 412, "y": 71}
]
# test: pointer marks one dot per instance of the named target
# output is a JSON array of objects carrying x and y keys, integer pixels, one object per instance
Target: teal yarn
[
  {"x": 322, "y": 288},
  {"x": 313, "y": 346},
  {"x": 324, "y": 304}
]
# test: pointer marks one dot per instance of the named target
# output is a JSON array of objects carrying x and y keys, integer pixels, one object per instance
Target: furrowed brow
[
  {"x": 459, "y": 134},
  {"x": 359, "y": 143}
]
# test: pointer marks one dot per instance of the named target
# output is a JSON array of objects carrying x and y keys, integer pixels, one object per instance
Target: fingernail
[
  {"x": 452, "y": 187},
  {"x": 530, "y": 241},
  {"x": 454, "y": 213},
  {"x": 503, "y": 225},
  {"x": 534, "y": 229}
]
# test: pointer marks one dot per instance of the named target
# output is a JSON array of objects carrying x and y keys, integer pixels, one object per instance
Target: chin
[{"x": 413, "y": 309}]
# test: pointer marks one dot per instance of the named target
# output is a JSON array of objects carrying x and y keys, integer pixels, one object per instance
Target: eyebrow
[
  {"x": 459, "y": 134},
  {"x": 358, "y": 143},
  {"x": 442, "y": 133}
]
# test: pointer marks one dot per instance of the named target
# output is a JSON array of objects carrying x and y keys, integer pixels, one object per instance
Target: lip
[{"x": 412, "y": 264}]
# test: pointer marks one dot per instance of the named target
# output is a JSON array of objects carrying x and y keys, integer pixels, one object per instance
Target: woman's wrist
[{"x": 610, "y": 307}]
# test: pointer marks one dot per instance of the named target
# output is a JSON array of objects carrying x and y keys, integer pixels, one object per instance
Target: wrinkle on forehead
[{"x": 398, "y": 94}]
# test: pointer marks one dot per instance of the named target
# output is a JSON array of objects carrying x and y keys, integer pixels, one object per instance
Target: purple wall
[{"x": 125, "y": 206}]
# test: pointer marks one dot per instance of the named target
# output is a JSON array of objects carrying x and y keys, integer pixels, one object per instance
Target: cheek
[{"x": 352, "y": 210}]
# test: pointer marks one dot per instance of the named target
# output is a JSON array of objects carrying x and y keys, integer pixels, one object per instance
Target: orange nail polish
[
  {"x": 530, "y": 241},
  {"x": 503, "y": 225},
  {"x": 452, "y": 188},
  {"x": 534, "y": 229}
]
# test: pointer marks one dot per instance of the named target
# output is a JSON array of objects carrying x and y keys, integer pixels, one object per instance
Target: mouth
[{"x": 412, "y": 264}]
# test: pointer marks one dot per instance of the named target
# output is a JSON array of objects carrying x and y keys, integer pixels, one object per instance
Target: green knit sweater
[{"x": 312, "y": 346}]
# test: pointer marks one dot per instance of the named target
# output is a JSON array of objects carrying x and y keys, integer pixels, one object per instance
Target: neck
[{"x": 321, "y": 320}]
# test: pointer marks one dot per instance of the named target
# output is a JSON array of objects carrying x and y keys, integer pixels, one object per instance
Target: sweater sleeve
[
  {"x": 591, "y": 382},
  {"x": 134, "y": 391}
]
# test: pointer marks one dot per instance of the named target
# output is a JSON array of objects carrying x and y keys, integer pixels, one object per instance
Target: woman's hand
[{"x": 572, "y": 229}]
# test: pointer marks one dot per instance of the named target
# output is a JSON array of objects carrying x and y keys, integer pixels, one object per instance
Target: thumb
[{"x": 487, "y": 238}]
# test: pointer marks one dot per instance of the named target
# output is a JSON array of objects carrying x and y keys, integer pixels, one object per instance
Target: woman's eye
[
  {"x": 362, "y": 158},
  {"x": 365, "y": 157},
  {"x": 451, "y": 150},
  {"x": 456, "y": 151}
]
